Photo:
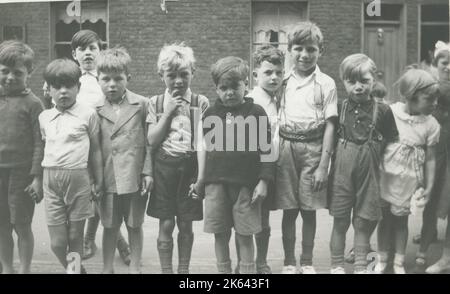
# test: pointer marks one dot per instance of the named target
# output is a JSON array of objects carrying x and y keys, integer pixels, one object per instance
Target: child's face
[
  {"x": 86, "y": 56},
  {"x": 269, "y": 76},
  {"x": 304, "y": 57},
  {"x": 231, "y": 92},
  {"x": 14, "y": 78},
  {"x": 423, "y": 104},
  {"x": 178, "y": 80},
  {"x": 443, "y": 66},
  {"x": 64, "y": 96},
  {"x": 113, "y": 84},
  {"x": 359, "y": 90}
]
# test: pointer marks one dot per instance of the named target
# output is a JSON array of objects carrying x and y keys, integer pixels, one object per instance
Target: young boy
[
  {"x": 172, "y": 119},
  {"x": 126, "y": 157},
  {"x": 308, "y": 107},
  {"x": 232, "y": 165},
  {"x": 86, "y": 46},
  {"x": 71, "y": 135},
  {"x": 365, "y": 126},
  {"x": 268, "y": 64},
  {"x": 21, "y": 152}
]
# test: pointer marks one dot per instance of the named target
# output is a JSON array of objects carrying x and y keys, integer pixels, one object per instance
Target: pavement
[{"x": 203, "y": 258}]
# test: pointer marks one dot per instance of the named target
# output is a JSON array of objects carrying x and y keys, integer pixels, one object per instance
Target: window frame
[
  {"x": 306, "y": 15},
  {"x": 52, "y": 17}
]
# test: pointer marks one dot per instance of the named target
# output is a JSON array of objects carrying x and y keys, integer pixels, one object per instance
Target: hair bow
[{"x": 441, "y": 46}]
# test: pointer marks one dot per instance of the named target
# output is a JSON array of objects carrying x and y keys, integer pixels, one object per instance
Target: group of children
[{"x": 104, "y": 150}]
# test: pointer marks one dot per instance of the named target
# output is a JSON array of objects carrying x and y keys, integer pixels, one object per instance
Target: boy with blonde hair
[{"x": 172, "y": 118}]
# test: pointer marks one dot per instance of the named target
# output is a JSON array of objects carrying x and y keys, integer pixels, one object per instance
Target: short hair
[
  {"x": 175, "y": 56},
  {"x": 355, "y": 65},
  {"x": 303, "y": 32},
  {"x": 231, "y": 68},
  {"x": 417, "y": 80},
  {"x": 379, "y": 90},
  {"x": 13, "y": 52},
  {"x": 114, "y": 60},
  {"x": 85, "y": 37},
  {"x": 62, "y": 72},
  {"x": 268, "y": 53}
]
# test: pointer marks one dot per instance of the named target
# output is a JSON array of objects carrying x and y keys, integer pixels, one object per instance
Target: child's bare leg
[
  {"x": 25, "y": 242},
  {"x": 76, "y": 236},
  {"x": 247, "y": 252},
  {"x": 165, "y": 244},
  {"x": 363, "y": 230},
  {"x": 222, "y": 249},
  {"x": 308, "y": 236},
  {"x": 6, "y": 248},
  {"x": 109, "y": 248},
  {"x": 185, "y": 241},
  {"x": 59, "y": 241},
  {"x": 429, "y": 227},
  {"x": 337, "y": 242},
  {"x": 136, "y": 239},
  {"x": 262, "y": 243},
  {"x": 288, "y": 231}
]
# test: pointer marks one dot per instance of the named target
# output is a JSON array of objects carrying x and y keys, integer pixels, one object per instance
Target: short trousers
[
  {"x": 129, "y": 208},
  {"x": 228, "y": 206},
  {"x": 67, "y": 195}
]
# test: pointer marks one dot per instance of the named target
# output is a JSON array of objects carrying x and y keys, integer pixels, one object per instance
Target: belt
[{"x": 309, "y": 136}]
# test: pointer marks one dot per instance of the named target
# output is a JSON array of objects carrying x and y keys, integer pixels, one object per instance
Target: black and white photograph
[{"x": 198, "y": 137}]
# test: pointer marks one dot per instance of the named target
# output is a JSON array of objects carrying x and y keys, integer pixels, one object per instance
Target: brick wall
[
  {"x": 214, "y": 28},
  {"x": 35, "y": 16}
]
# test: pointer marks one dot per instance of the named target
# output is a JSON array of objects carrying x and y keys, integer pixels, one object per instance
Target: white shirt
[
  {"x": 90, "y": 91},
  {"x": 300, "y": 111}
]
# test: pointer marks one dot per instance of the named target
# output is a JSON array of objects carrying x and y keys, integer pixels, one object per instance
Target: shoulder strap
[
  {"x": 159, "y": 106},
  {"x": 374, "y": 119},
  {"x": 343, "y": 111},
  {"x": 318, "y": 95},
  {"x": 281, "y": 95},
  {"x": 192, "y": 115}
]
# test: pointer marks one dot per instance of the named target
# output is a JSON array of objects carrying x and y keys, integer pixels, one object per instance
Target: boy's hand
[
  {"x": 319, "y": 179},
  {"x": 260, "y": 191},
  {"x": 197, "y": 190},
  {"x": 422, "y": 201},
  {"x": 35, "y": 190},
  {"x": 174, "y": 104},
  {"x": 96, "y": 192},
  {"x": 147, "y": 185}
]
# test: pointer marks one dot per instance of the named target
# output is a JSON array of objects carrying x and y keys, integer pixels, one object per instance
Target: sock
[
  {"x": 307, "y": 254},
  {"x": 224, "y": 267},
  {"x": 262, "y": 246},
  {"x": 184, "y": 242},
  {"x": 289, "y": 251},
  {"x": 247, "y": 268},
  {"x": 165, "y": 249},
  {"x": 361, "y": 257}
]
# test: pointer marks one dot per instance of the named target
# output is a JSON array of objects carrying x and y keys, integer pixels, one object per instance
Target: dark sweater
[
  {"x": 231, "y": 166},
  {"x": 21, "y": 143}
]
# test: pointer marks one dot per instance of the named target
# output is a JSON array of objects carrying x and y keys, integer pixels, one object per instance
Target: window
[
  {"x": 434, "y": 26},
  {"x": 67, "y": 20},
  {"x": 271, "y": 21},
  {"x": 13, "y": 33}
]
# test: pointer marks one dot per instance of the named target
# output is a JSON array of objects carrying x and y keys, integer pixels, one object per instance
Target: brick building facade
[{"x": 217, "y": 28}]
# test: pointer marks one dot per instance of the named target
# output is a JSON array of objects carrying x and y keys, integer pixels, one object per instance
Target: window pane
[
  {"x": 435, "y": 13},
  {"x": 430, "y": 35},
  {"x": 99, "y": 27},
  {"x": 389, "y": 12},
  {"x": 63, "y": 50},
  {"x": 64, "y": 32}
]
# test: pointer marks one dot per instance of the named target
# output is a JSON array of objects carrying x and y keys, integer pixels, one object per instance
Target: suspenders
[
  {"x": 193, "y": 107},
  {"x": 372, "y": 125}
]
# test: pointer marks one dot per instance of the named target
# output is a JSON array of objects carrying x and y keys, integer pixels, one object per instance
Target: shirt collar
[
  {"x": 316, "y": 74},
  {"x": 364, "y": 105},
  {"x": 72, "y": 111},
  {"x": 186, "y": 96},
  {"x": 261, "y": 96},
  {"x": 90, "y": 72}
]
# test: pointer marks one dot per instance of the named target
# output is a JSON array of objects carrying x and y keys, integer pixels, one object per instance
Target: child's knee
[
  {"x": 167, "y": 226},
  {"x": 308, "y": 216},
  {"x": 290, "y": 215},
  {"x": 361, "y": 224},
  {"x": 23, "y": 230},
  {"x": 184, "y": 227},
  {"x": 341, "y": 225},
  {"x": 223, "y": 237},
  {"x": 58, "y": 244},
  {"x": 244, "y": 240}
]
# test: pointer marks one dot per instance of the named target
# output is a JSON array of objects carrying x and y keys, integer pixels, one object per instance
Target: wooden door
[{"x": 383, "y": 44}]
